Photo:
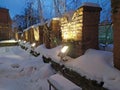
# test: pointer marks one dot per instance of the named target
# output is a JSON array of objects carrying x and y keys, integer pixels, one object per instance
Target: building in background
[{"x": 5, "y": 24}]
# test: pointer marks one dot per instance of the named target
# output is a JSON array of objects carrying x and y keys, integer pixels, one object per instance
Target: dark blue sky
[{"x": 17, "y": 6}]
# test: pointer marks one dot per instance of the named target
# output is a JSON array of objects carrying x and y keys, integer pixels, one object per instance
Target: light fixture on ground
[
  {"x": 24, "y": 42},
  {"x": 64, "y": 49},
  {"x": 33, "y": 45},
  {"x": 32, "y": 48},
  {"x": 19, "y": 40},
  {"x": 63, "y": 52}
]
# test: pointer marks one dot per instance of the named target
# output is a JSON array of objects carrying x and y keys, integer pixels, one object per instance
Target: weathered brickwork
[{"x": 5, "y": 24}]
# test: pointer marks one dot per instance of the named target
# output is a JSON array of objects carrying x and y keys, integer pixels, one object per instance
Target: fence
[{"x": 106, "y": 34}]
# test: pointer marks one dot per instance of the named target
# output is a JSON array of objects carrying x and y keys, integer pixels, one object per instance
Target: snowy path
[{"x": 21, "y": 71}]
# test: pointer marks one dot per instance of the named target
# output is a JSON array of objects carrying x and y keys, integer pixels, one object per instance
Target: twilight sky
[{"x": 17, "y": 6}]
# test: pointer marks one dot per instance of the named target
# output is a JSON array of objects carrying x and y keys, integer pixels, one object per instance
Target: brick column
[
  {"x": 55, "y": 34},
  {"x": 83, "y": 29},
  {"x": 116, "y": 28},
  {"x": 52, "y": 34},
  {"x": 46, "y": 36},
  {"x": 41, "y": 34},
  {"x": 31, "y": 33},
  {"x": 91, "y": 17}
]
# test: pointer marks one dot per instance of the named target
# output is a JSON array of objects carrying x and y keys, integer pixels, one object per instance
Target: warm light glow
[
  {"x": 26, "y": 35},
  {"x": 19, "y": 40},
  {"x": 21, "y": 35},
  {"x": 8, "y": 41},
  {"x": 72, "y": 30},
  {"x": 64, "y": 49},
  {"x": 56, "y": 18},
  {"x": 24, "y": 42},
  {"x": 32, "y": 26},
  {"x": 33, "y": 44},
  {"x": 36, "y": 33}
]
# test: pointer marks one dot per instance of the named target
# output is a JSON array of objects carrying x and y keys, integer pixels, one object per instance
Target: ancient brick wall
[
  {"x": 41, "y": 34},
  {"x": 116, "y": 28},
  {"x": 83, "y": 29},
  {"x": 52, "y": 34},
  {"x": 5, "y": 24}
]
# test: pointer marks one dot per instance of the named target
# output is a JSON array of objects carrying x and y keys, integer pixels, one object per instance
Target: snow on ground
[
  {"x": 62, "y": 83},
  {"x": 8, "y": 41},
  {"x": 21, "y": 71},
  {"x": 97, "y": 65},
  {"x": 94, "y": 64}
]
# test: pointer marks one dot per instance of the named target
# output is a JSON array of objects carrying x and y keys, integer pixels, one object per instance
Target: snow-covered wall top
[{"x": 90, "y": 4}]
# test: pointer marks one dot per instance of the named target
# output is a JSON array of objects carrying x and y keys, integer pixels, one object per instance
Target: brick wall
[
  {"x": 116, "y": 28},
  {"x": 87, "y": 20},
  {"x": 5, "y": 24}
]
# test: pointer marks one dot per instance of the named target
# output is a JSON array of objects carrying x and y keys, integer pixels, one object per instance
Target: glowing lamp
[
  {"x": 24, "y": 42},
  {"x": 64, "y": 49},
  {"x": 33, "y": 44},
  {"x": 63, "y": 53},
  {"x": 56, "y": 18},
  {"x": 19, "y": 40}
]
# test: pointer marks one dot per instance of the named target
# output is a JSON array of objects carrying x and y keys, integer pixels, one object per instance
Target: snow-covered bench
[{"x": 58, "y": 82}]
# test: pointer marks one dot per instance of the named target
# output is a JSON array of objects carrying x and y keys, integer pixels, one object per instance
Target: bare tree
[
  {"x": 59, "y": 7},
  {"x": 40, "y": 11},
  {"x": 18, "y": 22},
  {"x": 30, "y": 14}
]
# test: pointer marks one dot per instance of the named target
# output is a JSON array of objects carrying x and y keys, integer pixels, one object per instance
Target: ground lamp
[
  {"x": 19, "y": 40},
  {"x": 32, "y": 50},
  {"x": 24, "y": 42},
  {"x": 63, "y": 52},
  {"x": 33, "y": 45},
  {"x": 71, "y": 34}
]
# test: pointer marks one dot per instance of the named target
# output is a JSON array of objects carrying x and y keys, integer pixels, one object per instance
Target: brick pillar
[
  {"x": 24, "y": 36},
  {"x": 55, "y": 34},
  {"x": 31, "y": 35},
  {"x": 91, "y": 17},
  {"x": 52, "y": 34},
  {"x": 84, "y": 30},
  {"x": 46, "y": 36},
  {"x": 41, "y": 34},
  {"x": 116, "y": 28}
]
